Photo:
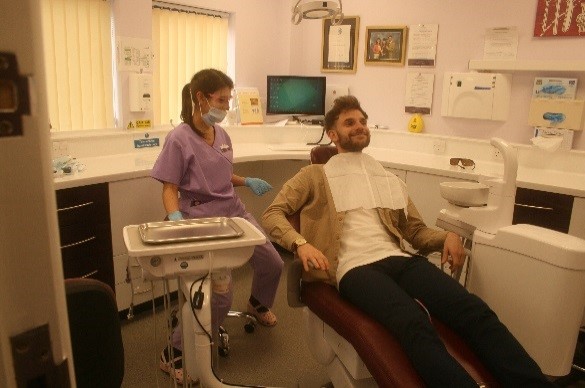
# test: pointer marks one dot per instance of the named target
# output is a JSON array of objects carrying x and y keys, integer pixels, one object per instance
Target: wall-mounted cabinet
[{"x": 527, "y": 66}]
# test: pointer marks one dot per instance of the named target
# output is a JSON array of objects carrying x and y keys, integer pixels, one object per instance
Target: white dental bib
[{"x": 358, "y": 181}]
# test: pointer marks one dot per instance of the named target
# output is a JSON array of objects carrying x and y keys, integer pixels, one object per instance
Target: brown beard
[{"x": 347, "y": 144}]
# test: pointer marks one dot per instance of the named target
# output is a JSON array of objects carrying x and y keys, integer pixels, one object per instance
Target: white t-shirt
[{"x": 364, "y": 240}]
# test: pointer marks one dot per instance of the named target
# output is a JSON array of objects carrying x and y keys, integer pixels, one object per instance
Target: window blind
[
  {"x": 78, "y": 62},
  {"x": 185, "y": 40}
]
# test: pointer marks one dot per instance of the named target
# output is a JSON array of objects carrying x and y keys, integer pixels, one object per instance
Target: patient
[{"x": 357, "y": 217}]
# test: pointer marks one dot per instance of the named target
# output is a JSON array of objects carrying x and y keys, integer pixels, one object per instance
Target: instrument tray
[{"x": 196, "y": 229}]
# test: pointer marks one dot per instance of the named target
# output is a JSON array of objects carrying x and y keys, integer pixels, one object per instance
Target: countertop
[{"x": 136, "y": 164}]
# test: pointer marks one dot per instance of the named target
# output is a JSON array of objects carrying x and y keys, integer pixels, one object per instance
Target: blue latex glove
[
  {"x": 257, "y": 185},
  {"x": 175, "y": 216}
]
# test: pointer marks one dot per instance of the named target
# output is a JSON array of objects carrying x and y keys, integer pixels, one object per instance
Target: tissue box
[
  {"x": 541, "y": 111},
  {"x": 563, "y": 88},
  {"x": 566, "y": 134}
]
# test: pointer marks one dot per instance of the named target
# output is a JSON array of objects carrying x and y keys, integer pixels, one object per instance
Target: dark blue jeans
[{"x": 385, "y": 290}]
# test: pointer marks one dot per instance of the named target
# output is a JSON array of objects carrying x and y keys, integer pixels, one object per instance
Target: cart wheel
[
  {"x": 224, "y": 352},
  {"x": 249, "y": 327}
]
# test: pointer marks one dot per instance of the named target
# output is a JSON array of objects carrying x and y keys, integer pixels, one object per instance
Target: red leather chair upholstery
[{"x": 377, "y": 348}]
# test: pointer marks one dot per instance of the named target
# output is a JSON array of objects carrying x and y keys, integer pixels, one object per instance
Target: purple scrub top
[{"x": 202, "y": 172}]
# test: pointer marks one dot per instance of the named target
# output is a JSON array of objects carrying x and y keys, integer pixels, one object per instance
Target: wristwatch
[{"x": 297, "y": 243}]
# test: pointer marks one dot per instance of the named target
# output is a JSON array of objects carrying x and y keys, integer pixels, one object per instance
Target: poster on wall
[
  {"x": 134, "y": 54},
  {"x": 249, "y": 106},
  {"x": 560, "y": 18},
  {"x": 422, "y": 44},
  {"x": 419, "y": 92}
]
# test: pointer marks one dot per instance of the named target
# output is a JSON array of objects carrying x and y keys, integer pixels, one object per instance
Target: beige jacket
[{"x": 321, "y": 225}]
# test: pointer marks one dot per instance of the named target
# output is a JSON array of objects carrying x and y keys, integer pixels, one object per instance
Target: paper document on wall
[
  {"x": 501, "y": 43},
  {"x": 134, "y": 54},
  {"x": 422, "y": 44},
  {"x": 249, "y": 106},
  {"x": 419, "y": 92},
  {"x": 339, "y": 43}
]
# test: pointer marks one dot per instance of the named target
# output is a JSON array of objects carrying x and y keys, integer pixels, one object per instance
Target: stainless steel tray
[{"x": 196, "y": 229}]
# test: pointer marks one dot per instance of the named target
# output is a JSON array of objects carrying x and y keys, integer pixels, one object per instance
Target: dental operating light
[{"x": 318, "y": 10}]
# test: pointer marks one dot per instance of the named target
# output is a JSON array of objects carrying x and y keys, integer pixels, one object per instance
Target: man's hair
[{"x": 340, "y": 105}]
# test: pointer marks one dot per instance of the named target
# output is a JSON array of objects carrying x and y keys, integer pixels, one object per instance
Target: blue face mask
[{"x": 214, "y": 115}]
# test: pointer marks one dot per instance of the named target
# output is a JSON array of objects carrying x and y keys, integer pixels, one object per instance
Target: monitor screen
[{"x": 295, "y": 95}]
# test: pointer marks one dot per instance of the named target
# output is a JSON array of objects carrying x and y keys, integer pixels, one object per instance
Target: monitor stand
[{"x": 294, "y": 120}]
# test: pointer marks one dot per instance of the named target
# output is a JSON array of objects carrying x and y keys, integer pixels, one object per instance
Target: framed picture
[
  {"x": 385, "y": 45},
  {"x": 559, "y": 18},
  {"x": 339, "y": 52}
]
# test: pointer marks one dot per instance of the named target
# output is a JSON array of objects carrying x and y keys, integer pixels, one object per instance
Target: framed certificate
[{"x": 339, "y": 52}]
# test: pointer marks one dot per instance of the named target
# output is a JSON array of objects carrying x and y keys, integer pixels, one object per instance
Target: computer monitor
[{"x": 295, "y": 95}]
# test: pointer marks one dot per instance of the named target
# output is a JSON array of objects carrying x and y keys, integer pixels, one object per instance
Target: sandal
[
  {"x": 173, "y": 367},
  {"x": 263, "y": 314}
]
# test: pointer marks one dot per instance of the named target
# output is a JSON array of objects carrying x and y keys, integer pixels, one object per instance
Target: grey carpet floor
[{"x": 276, "y": 356}]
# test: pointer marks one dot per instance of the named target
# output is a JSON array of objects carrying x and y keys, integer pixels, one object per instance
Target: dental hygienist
[{"x": 195, "y": 167}]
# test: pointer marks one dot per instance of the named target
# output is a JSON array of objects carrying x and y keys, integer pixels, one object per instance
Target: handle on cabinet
[
  {"x": 534, "y": 207},
  {"x": 78, "y": 242},
  {"x": 75, "y": 207},
  {"x": 90, "y": 274}
]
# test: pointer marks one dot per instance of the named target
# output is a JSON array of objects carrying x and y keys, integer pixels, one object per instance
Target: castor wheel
[
  {"x": 249, "y": 327},
  {"x": 223, "y": 347},
  {"x": 223, "y": 352}
]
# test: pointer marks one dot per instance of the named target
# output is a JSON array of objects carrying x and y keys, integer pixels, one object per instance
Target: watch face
[{"x": 300, "y": 242}]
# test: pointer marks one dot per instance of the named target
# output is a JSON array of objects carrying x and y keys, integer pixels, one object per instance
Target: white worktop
[{"x": 560, "y": 172}]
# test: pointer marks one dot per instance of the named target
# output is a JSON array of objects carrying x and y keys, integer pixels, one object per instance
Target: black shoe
[{"x": 223, "y": 345}]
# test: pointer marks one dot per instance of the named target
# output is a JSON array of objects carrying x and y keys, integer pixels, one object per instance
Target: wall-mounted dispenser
[
  {"x": 557, "y": 113},
  {"x": 476, "y": 95},
  {"x": 140, "y": 90}
]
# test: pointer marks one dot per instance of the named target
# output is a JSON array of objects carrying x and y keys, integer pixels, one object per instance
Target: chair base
[{"x": 251, "y": 320}]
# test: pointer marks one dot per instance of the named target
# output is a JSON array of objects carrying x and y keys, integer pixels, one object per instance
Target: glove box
[{"x": 556, "y": 113}]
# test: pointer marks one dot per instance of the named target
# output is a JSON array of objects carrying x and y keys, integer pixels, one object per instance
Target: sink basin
[{"x": 465, "y": 193}]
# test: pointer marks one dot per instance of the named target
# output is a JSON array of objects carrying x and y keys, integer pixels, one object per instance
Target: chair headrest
[{"x": 321, "y": 154}]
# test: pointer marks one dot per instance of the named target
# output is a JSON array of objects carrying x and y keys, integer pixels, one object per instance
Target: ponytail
[{"x": 187, "y": 106}]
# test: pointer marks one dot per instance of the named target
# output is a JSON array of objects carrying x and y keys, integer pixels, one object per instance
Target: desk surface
[{"x": 139, "y": 164}]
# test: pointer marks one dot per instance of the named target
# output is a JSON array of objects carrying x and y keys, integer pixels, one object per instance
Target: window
[
  {"x": 77, "y": 43},
  {"x": 185, "y": 41}
]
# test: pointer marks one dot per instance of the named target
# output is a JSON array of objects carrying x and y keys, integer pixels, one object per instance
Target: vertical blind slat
[
  {"x": 185, "y": 43},
  {"x": 78, "y": 57}
]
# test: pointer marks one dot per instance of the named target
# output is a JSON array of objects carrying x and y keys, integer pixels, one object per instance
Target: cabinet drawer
[
  {"x": 84, "y": 266},
  {"x": 83, "y": 204},
  {"x": 84, "y": 241},
  {"x": 545, "y": 209}
]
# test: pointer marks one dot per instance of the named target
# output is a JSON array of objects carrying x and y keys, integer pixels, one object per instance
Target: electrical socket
[
  {"x": 496, "y": 154},
  {"x": 439, "y": 146}
]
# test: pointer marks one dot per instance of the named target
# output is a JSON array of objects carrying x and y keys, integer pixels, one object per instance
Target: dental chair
[{"x": 357, "y": 350}]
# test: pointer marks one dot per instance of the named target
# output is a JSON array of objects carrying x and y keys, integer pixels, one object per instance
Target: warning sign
[
  {"x": 143, "y": 124},
  {"x": 146, "y": 143}
]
